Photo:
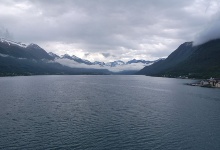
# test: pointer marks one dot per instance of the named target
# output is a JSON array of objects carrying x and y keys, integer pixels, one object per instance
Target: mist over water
[{"x": 107, "y": 112}]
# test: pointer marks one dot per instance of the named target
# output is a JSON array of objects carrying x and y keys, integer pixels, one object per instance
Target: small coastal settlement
[{"x": 212, "y": 82}]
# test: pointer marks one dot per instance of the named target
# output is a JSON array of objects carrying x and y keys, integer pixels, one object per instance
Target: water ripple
[{"x": 107, "y": 112}]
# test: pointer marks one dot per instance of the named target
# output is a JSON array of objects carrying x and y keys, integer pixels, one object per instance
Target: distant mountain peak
[
  {"x": 35, "y": 46},
  {"x": 140, "y": 61},
  {"x": 54, "y": 56},
  {"x": 75, "y": 57},
  {"x": 98, "y": 63},
  {"x": 65, "y": 55}
]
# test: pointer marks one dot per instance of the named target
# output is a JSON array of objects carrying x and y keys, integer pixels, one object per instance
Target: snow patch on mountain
[{"x": 9, "y": 42}]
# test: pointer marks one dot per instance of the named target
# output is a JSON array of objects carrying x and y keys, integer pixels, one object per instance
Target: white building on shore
[{"x": 212, "y": 82}]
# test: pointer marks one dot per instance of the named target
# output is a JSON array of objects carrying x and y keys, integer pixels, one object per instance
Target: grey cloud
[
  {"x": 87, "y": 54},
  {"x": 106, "y": 55},
  {"x": 108, "y": 26}
]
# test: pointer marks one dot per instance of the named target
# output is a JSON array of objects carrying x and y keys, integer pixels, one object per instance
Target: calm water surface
[{"x": 107, "y": 112}]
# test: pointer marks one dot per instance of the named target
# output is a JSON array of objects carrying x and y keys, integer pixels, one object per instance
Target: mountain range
[
  {"x": 188, "y": 60},
  {"x": 102, "y": 64},
  {"x": 17, "y": 58}
]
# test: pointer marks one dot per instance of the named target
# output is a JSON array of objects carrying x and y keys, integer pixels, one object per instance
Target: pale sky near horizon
[{"x": 107, "y": 30}]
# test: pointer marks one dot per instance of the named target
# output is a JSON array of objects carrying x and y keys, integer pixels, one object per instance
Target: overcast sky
[{"x": 109, "y": 30}]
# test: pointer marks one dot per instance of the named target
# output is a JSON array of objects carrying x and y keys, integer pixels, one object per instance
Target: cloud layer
[
  {"x": 126, "y": 67},
  {"x": 210, "y": 32},
  {"x": 108, "y": 30}
]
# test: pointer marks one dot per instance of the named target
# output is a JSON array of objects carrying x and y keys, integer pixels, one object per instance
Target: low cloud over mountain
[{"x": 210, "y": 32}]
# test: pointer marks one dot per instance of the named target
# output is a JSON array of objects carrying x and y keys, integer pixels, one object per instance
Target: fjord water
[{"x": 107, "y": 112}]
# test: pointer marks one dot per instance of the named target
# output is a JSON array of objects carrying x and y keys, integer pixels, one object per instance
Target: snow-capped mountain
[
  {"x": 54, "y": 56},
  {"x": 9, "y": 42},
  {"x": 110, "y": 64},
  {"x": 76, "y": 59},
  {"x": 119, "y": 62},
  {"x": 23, "y": 51},
  {"x": 21, "y": 59},
  {"x": 115, "y": 66},
  {"x": 33, "y": 58},
  {"x": 98, "y": 63},
  {"x": 115, "y": 63},
  {"x": 139, "y": 61}
]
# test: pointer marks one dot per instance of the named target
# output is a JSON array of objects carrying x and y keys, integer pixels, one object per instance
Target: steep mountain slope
[
  {"x": 76, "y": 59},
  {"x": 54, "y": 56},
  {"x": 38, "y": 52},
  {"x": 17, "y": 50},
  {"x": 17, "y": 66},
  {"x": 203, "y": 63},
  {"x": 193, "y": 61}
]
